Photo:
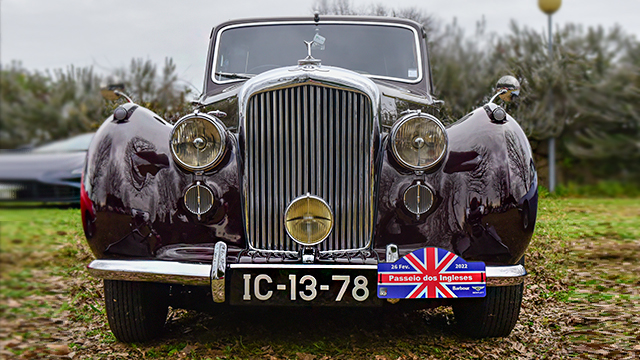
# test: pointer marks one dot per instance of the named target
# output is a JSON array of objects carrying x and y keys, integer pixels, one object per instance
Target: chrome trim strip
[
  {"x": 417, "y": 38},
  {"x": 218, "y": 269},
  {"x": 303, "y": 266},
  {"x": 151, "y": 270},
  {"x": 505, "y": 275}
]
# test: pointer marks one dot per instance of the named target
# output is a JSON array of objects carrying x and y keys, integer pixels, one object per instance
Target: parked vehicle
[
  {"x": 48, "y": 173},
  {"x": 328, "y": 180}
]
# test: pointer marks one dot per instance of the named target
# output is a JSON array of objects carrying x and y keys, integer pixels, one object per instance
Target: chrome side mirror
[
  {"x": 113, "y": 92},
  {"x": 508, "y": 88}
]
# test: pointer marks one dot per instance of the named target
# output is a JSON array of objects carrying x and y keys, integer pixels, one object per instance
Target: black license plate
[{"x": 304, "y": 285}]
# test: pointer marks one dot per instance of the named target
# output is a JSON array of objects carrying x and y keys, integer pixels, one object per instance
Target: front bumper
[{"x": 213, "y": 274}]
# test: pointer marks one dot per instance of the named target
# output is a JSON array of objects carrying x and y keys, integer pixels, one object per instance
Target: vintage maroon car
[{"x": 328, "y": 180}]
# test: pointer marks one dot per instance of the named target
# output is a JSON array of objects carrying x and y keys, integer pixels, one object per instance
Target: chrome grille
[{"x": 308, "y": 139}]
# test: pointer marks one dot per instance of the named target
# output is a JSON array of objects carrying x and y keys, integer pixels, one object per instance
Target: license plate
[
  {"x": 303, "y": 285},
  {"x": 431, "y": 273}
]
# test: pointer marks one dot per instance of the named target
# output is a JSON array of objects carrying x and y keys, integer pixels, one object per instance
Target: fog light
[
  {"x": 198, "y": 199},
  {"x": 308, "y": 220},
  {"x": 418, "y": 199}
]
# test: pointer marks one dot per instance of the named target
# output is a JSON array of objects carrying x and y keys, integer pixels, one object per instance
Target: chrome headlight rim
[
  {"x": 222, "y": 130},
  {"x": 308, "y": 196},
  {"x": 404, "y": 120}
]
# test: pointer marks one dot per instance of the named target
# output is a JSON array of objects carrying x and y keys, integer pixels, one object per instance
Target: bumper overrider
[{"x": 218, "y": 272}]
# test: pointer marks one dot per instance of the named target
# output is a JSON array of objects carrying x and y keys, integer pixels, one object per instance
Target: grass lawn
[{"x": 582, "y": 299}]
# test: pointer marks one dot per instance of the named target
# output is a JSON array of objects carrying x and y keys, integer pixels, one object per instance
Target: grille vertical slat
[
  {"x": 264, "y": 200},
  {"x": 287, "y": 150},
  {"x": 278, "y": 131},
  {"x": 312, "y": 135},
  {"x": 297, "y": 185},
  {"x": 343, "y": 145},
  {"x": 268, "y": 181},
  {"x": 325, "y": 158},
  {"x": 361, "y": 157},
  {"x": 251, "y": 153},
  {"x": 312, "y": 139},
  {"x": 352, "y": 153}
]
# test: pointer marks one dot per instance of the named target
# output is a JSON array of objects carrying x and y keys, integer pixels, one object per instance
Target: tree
[
  {"x": 37, "y": 107},
  {"x": 594, "y": 77},
  {"x": 159, "y": 93}
]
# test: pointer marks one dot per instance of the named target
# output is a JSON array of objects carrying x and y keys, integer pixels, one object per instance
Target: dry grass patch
[{"x": 581, "y": 300}]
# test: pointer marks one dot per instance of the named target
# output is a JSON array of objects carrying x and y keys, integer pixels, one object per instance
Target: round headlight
[
  {"x": 419, "y": 141},
  {"x": 308, "y": 220},
  {"x": 197, "y": 142}
]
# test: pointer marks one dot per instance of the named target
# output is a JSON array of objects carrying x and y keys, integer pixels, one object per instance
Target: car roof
[{"x": 322, "y": 18}]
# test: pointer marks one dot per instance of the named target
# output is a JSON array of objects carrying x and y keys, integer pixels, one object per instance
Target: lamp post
[{"x": 549, "y": 7}]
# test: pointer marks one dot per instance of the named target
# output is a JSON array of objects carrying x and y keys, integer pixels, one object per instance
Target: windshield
[
  {"x": 374, "y": 50},
  {"x": 76, "y": 143}
]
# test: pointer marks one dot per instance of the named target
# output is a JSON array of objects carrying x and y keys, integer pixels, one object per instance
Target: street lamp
[{"x": 549, "y": 7}]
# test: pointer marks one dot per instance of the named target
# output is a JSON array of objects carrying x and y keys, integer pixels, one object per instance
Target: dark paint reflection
[
  {"x": 487, "y": 183},
  {"x": 485, "y": 195},
  {"x": 136, "y": 193}
]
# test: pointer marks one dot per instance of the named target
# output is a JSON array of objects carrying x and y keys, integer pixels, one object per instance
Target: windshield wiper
[{"x": 235, "y": 75}]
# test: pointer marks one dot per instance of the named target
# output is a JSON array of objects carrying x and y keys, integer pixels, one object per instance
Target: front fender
[
  {"x": 132, "y": 194},
  {"x": 485, "y": 195}
]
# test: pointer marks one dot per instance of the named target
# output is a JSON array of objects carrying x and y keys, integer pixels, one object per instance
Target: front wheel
[
  {"x": 136, "y": 310},
  {"x": 492, "y": 316}
]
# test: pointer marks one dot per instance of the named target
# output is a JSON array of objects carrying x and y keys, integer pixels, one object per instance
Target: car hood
[{"x": 58, "y": 167}]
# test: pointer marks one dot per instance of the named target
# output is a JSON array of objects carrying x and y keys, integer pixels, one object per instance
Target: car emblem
[
  {"x": 309, "y": 43},
  {"x": 309, "y": 63},
  {"x": 478, "y": 288}
]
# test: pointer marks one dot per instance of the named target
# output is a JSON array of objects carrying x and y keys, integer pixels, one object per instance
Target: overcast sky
[{"x": 50, "y": 34}]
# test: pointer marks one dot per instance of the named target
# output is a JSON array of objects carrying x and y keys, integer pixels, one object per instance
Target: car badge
[
  {"x": 478, "y": 288},
  {"x": 308, "y": 43}
]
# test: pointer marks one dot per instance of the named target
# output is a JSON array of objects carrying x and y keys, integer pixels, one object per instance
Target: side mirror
[
  {"x": 113, "y": 92},
  {"x": 508, "y": 89}
]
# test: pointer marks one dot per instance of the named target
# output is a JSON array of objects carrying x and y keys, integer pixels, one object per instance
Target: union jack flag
[{"x": 431, "y": 273}]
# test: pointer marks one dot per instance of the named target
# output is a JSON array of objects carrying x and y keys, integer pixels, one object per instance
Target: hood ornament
[{"x": 309, "y": 61}]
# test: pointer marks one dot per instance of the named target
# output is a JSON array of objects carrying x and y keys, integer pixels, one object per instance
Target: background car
[{"x": 47, "y": 173}]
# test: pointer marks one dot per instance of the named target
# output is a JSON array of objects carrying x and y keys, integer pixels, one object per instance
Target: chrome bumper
[
  {"x": 200, "y": 274},
  {"x": 505, "y": 275},
  {"x": 168, "y": 272},
  {"x": 213, "y": 275},
  {"x": 151, "y": 270}
]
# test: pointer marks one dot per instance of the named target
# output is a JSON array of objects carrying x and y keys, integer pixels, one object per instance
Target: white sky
[{"x": 46, "y": 34}]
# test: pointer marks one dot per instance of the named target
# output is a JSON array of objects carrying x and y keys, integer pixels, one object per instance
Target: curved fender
[
  {"x": 132, "y": 193},
  {"x": 492, "y": 185},
  {"x": 485, "y": 195}
]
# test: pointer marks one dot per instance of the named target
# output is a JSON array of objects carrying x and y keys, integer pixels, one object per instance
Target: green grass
[{"x": 582, "y": 294}]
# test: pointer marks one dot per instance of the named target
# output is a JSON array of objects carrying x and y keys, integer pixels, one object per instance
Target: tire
[
  {"x": 493, "y": 316},
  {"x": 136, "y": 310}
]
